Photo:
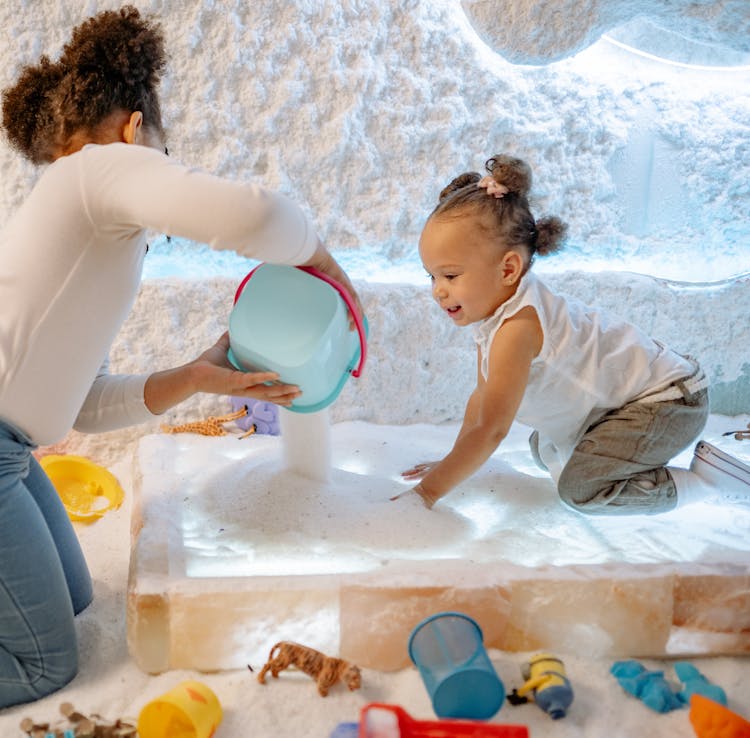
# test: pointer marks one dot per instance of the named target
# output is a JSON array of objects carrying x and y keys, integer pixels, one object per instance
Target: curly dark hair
[
  {"x": 510, "y": 216},
  {"x": 113, "y": 61}
]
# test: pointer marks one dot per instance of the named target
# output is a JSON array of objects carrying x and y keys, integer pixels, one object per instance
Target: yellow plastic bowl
[{"x": 86, "y": 489}]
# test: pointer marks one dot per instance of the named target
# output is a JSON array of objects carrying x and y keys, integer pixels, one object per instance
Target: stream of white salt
[{"x": 306, "y": 443}]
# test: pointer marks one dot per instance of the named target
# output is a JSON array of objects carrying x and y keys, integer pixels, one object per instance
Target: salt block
[
  {"x": 613, "y": 611},
  {"x": 231, "y": 552},
  {"x": 712, "y": 610},
  {"x": 376, "y": 621},
  {"x": 714, "y": 602},
  {"x": 228, "y": 624},
  {"x": 147, "y": 604},
  {"x": 230, "y": 629}
]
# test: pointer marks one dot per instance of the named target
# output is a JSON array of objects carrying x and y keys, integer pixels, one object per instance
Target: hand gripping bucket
[
  {"x": 295, "y": 321},
  {"x": 448, "y": 650}
]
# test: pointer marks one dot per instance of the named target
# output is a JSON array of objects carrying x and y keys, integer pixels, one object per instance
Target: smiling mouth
[{"x": 452, "y": 310}]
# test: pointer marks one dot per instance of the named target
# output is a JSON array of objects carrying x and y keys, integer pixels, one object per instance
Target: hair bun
[
  {"x": 27, "y": 112},
  {"x": 512, "y": 173},
  {"x": 120, "y": 43},
  {"x": 551, "y": 233},
  {"x": 458, "y": 183}
]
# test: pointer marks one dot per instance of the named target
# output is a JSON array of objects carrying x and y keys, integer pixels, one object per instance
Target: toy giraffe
[{"x": 211, "y": 426}]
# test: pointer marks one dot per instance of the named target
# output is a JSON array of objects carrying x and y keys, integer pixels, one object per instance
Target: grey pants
[{"x": 618, "y": 468}]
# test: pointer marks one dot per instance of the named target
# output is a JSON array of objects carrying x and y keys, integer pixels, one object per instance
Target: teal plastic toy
[
  {"x": 694, "y": 682},
  {"x": 650, "y": 687},
  {"x": 657, "y": 693},
  {"x": 295, "y": 321}
]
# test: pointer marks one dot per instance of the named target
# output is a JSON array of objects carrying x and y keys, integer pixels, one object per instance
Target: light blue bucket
[
  {"x": 295, "y": 321},
  {"x": 449, "y": 652}
]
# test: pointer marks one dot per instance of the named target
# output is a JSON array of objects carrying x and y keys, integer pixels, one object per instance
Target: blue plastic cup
[{"x": 449, "y": 652}]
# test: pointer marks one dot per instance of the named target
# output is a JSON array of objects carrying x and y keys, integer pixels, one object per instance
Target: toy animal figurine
[
  {"x": 326, "y": 670},
  {"x": 77, "y": 725},
  {"x": 264, "y": 416},
  {"x": 210, "y": 426},
  {"x": 548, "y": 685}
]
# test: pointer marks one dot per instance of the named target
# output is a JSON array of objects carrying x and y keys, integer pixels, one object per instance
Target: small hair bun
[
  {"x": 551, "y": 234},
  {"x": 119, "y": 44},
  {"x": 512, "y": 173},
  {"x": 458, "y": 183},
  {"x": 27, "y": 113}
]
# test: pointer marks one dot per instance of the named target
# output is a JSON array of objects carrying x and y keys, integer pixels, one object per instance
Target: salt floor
[{"x": 254, "y": 553}]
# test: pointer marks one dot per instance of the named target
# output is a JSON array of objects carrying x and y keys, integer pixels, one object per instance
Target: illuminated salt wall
[{"x": 362, "y": 110}]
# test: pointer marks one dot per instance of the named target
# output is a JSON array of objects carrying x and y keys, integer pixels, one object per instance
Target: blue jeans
[{"x": 44, "y": 579}]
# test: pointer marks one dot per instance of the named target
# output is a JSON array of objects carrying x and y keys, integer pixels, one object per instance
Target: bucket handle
[{"x": 345, "y": 296}]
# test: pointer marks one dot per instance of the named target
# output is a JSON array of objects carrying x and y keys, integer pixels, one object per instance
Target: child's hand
[
  {"x": 213, "y": 373},
  {"x": 324, "y": 262},
  {"x": 418, "y": 471},
  {"x": 427, "y": 498}
]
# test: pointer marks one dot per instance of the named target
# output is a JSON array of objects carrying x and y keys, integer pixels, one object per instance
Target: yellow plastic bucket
[
  {"x": 189, "y": 710},
  {"x": 86, "y": 489}
]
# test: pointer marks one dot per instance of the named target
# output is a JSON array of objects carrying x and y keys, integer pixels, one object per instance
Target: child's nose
[{"x": 438, "y": 290}]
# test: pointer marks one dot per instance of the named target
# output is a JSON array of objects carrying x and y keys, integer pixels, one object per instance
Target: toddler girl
[{"x": 610, "y": 406}]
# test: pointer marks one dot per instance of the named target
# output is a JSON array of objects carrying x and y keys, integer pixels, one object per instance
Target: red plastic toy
[{"x": 391, "y": 721}]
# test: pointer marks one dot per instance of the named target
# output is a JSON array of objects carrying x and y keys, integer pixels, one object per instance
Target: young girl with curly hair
[
  {"x": 610, "y": 406},
  {"x": 72, "y": 257}
]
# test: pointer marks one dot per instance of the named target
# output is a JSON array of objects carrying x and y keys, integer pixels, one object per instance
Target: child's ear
[
  {"x": 132, "y": 127},
  {"x": 512, "y": 266}
]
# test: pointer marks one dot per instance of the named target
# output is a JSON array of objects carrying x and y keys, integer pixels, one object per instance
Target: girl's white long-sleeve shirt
[{"x": 71, "y": 260}]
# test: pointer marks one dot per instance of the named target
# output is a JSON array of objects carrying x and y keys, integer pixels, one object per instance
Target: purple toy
[{"x": 263, "y": 415}]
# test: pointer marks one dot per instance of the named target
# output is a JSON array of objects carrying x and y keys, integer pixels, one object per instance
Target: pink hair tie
[{"x": 495, "y": 189}]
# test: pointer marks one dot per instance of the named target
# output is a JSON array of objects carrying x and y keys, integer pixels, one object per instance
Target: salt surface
[
  {"x": 540, "y": 31},
  {"x": 244, "y": 513},
  {"x": 338, "y": 565}
]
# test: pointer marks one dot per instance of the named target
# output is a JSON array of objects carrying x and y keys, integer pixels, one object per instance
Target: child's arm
[
  {"x": 474, "y": 404},
  {"x": 491, "y": 408},
  {"x": 212, "y": 373},
  {"x": 418, "y": 471}
]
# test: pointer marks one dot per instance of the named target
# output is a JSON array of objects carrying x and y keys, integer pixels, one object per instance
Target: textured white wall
[
  {"x": 363, "y": 110},
  {"x": 420, "y": 367},
  {"x": 540, "y": 31}
]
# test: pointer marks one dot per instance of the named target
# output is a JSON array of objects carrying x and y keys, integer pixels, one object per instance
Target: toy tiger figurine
[{"x": 326, "y": 670}]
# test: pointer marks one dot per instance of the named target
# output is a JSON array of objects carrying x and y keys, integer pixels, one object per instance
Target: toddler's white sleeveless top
[{"x": 590, "y": 363}]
